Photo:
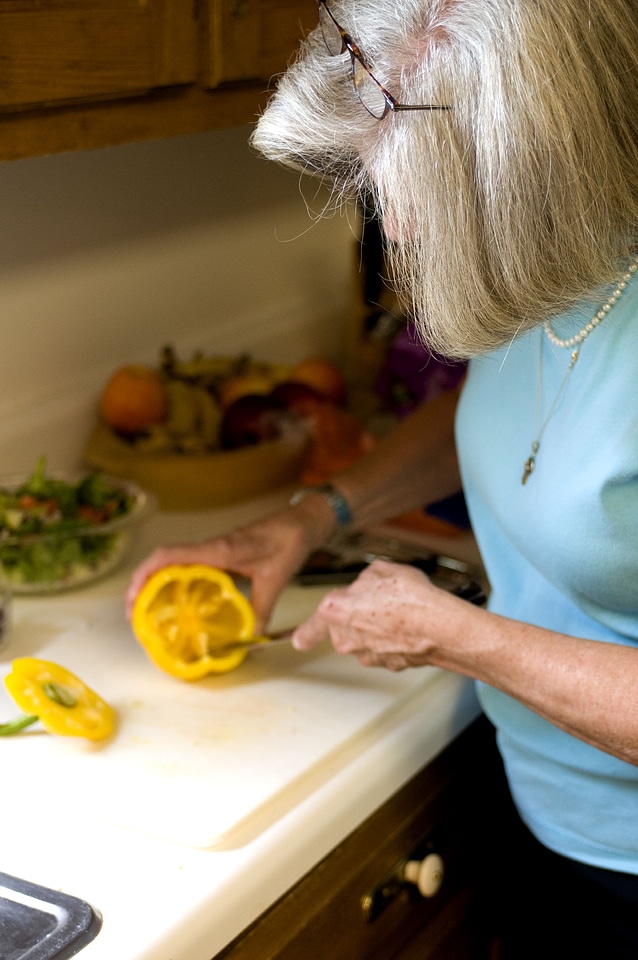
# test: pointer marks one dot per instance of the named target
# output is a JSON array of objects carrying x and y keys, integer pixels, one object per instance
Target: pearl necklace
[{"x": 574, "y": 342}]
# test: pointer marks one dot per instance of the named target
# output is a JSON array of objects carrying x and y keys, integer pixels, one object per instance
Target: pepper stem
[{"x": 15, "y": 726}]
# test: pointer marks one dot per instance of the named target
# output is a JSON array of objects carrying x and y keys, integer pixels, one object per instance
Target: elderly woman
[{"x": 500, "y": 140}]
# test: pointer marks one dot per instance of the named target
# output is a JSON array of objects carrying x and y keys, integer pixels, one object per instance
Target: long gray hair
[{"x": 516, "y": 203}]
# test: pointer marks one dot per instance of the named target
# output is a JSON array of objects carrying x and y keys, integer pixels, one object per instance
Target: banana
[
  {"x": 211, "y": 371},
  {"x": 155, "y": 440},
  {"x": 209, "y": 418},
  {"x": 183, "y": 409},
  {"x": 191, "y": 445},
  {"x": 201, "y": 369},
  {"x": 279, "y": 372}
]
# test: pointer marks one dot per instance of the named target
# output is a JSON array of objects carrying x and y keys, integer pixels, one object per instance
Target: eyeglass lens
[
  {"x": 368, "y": 90},
  {"x": 366, "y": 87},
  {"x": 331, "y": 33}
]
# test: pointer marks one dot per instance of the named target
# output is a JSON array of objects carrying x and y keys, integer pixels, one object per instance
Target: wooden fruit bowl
[{"x": 199, "y": 481}]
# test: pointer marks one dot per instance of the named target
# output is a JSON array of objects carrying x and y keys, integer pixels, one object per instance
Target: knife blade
[{"x": 275, "y": 637}]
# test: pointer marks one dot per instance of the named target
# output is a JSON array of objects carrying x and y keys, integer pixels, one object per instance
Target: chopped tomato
[{"x": 93, "y": 514}]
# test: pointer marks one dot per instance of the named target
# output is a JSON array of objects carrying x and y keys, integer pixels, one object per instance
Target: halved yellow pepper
[
  {"x": 58, "y": 699},
  {"x": 183, "y": 613}
]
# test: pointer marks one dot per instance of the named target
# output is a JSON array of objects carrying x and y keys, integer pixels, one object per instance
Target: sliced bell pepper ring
[
  {"x": 184, "y": 612},
  {"x": 57, "y": 698}
]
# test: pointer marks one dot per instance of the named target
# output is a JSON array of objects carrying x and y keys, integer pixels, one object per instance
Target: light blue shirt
[{"x": 561, "y": 552}]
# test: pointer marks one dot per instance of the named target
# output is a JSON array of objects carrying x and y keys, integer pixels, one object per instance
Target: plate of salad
[{"x": 59, "y": 531}]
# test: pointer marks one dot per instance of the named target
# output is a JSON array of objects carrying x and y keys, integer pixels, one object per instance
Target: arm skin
[
  {"x": 415, "y": 465},
  {"x": 392, "y": 616}
]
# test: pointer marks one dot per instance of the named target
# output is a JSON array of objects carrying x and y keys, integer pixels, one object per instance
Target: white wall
[{"x": 107, "y": 255}]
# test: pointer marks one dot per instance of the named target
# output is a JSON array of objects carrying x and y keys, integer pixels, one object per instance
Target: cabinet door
[
  {"x": 352, "y": 906},
  {"x": 61, "y": 51},
  {"x": 253, "y": 39}
]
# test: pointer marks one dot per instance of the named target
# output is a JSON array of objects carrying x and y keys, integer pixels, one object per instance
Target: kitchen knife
[{"x": 277, "y": 636}]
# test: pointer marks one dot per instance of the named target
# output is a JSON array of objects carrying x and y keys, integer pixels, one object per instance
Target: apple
[
  {"x": 297, "y": 397},
  {"x": 323, "y": 375},
  {"x": 250, "y": 419}
]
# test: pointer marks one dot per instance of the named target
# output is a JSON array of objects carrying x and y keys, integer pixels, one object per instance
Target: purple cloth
[{"x": 412, "y": 374}]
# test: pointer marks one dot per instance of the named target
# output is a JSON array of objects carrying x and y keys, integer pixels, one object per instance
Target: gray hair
[{"x": 516, "y": 203}]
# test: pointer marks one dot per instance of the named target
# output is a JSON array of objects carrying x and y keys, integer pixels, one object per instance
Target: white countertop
[{"x": 164, "y": 900}]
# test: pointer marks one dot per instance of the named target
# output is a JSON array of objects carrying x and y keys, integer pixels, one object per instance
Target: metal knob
[{"x": 426, "y": 875}]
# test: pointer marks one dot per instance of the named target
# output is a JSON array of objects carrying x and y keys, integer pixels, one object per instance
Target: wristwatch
[{"x": 333, "y": 497}]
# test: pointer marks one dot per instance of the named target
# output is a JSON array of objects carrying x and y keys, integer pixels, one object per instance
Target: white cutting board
[{"x": 205, "y": 764}]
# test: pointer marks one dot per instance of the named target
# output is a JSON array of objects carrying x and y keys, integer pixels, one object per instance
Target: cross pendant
[
  {"x": 530, "y": 463},
  {"x": 528, "y": 468}
]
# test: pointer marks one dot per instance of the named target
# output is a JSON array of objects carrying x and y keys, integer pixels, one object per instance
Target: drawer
[{"x": 351, "y": 905}]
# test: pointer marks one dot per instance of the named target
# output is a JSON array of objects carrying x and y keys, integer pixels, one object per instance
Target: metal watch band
[{"x": 335, "y": 500}]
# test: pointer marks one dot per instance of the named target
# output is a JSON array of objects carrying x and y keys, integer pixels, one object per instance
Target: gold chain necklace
[{"x": 574, "y": 343}]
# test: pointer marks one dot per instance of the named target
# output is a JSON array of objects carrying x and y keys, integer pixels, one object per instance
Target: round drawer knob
[{"x": 427, "y": 875}]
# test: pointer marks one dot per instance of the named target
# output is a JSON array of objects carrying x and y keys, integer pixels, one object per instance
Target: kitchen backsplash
[{"x": 107, "y": 255}]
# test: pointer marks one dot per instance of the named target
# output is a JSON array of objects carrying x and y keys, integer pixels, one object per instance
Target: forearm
[
  {"x": 415, "y": 465},
  {"x": 585, "y": 687}
]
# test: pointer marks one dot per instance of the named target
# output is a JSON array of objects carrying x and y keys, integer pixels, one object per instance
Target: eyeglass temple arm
[{"x": 420, "y": 106}]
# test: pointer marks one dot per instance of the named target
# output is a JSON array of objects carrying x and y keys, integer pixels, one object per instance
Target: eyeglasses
[{"x": 374, "y": 97}]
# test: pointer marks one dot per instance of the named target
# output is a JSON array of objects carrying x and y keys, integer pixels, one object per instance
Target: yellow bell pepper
[
  {"x": 184, "y": 613},
  {"x": 58, "y": 699}
]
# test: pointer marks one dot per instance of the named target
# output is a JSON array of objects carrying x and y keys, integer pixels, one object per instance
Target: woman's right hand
[{"x": 269, "y": 552}]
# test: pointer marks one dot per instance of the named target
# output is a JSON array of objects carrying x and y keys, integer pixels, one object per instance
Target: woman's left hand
[{"x": 386, "y": 618}]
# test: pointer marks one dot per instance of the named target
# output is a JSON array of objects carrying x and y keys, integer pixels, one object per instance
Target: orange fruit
[
  {"x": 183, "y": 612},
  {"x": 324, "y": 375},
  {"x": 133, "y": 399}
]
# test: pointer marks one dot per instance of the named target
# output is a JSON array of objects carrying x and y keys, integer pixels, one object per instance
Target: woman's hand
[
  {"x": 268, "y": 552},
  {"x": 392, "y": 616},
  {"x": 386, "y": 618}
]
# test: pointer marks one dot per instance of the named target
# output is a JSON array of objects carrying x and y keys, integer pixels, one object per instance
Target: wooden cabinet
[
  {"x": 452, "y": 809},
  {"x": 80, "y": 50},
  {"x": 78, "y": 74},
  {"x": 253, "y": 39}
]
